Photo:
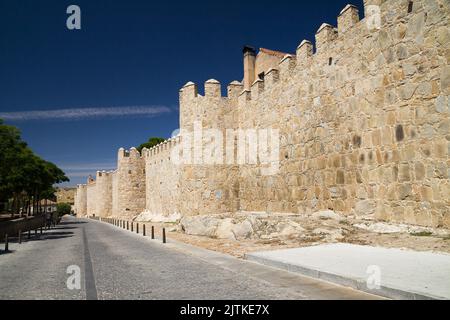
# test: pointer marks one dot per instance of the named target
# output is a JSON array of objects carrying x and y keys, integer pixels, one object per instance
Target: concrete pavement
[
  {"x": 118, "y": 264},
  {"x": 393, "y": 273}
]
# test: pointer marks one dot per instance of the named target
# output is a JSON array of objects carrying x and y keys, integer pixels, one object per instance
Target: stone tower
[
  {"x": 104, "y": 193},
  {"x": 128, "y": 184}
]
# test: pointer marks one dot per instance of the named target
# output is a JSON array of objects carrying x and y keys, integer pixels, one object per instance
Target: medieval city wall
[
  {"x": 91, "y": 199},
  {"x": 209, "y": 185},
  {"x": 81, "y": 200},
  {"x": 115, "y": 194},
  {"x": 163, "y": 182},
  {"x": 364, "y": 120},
  {"x": 130, "y": 184},
  {"x": 104, "y": 193}
]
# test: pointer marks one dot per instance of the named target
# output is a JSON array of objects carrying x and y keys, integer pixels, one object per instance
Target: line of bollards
[
  {"x": 164, "y": 235},
  {"x": 6, "y": 243},
  {"x": 129, "y": 225},
  {"x": 20, "y": 234}
]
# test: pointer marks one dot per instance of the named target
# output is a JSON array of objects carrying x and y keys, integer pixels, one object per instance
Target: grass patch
[{"x": 421, "y": 234}]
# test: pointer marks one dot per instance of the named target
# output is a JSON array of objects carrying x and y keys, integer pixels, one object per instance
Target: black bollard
[
  {"x": 131, "y": 226},
  {"x": 35, "y": 232},
  {"x": 41, "y": 230},
  {"x": 137, "y": 228},
  {"x": 6, "y": 243},
  {"x": 164, "y": 235},
  {"x": 20, "y": 236},
  {"x": 29, "y": 233},
  {"x": 143, "y": 230},
  {"x": 128, "y": 226},
  {"x": 153, "y": 232}
]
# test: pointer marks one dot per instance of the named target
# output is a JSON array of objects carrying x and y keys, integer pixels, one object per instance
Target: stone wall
[
  {"x": 81, "y": 200},
  {"x": 91, "y": 199},
  {"x": 104, "y": 194},
  {"x": 115, "y": 194},
  {"x": 208, "y": 184},
  {"x": 163, "y": 183},
  {"x": 363, "y": 122},
  {"x": 129, "y": 184}
]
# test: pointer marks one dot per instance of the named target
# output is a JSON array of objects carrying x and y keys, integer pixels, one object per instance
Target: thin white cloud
[
  {"x": 88, "y": 166},
  {"x": 85, "y": 113},
  {"x": 80, "y": 174},
  {"x": 75, "y": 171}
]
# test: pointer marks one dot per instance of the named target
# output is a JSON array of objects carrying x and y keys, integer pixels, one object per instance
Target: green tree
[
  {"x": 25, "y": 178},
  {"x": 150, "y": 143},
  {"x": 63, "y": 209}
]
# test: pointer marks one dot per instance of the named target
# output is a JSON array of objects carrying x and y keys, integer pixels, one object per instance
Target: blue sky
[{"x": 79, "y": 95}]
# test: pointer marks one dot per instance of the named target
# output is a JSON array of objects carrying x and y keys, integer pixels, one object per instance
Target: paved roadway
[{"x": 118, "y": 264}]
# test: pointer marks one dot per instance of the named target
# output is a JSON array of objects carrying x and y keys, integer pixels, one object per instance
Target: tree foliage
[
  {"x": 25, "y": 178},
  {"x": 63, "y": 209},
  {"x": 150, "y": 143}
]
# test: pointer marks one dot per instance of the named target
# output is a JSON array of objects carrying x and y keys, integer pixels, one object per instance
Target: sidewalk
[{"x": 403, "y": 274}]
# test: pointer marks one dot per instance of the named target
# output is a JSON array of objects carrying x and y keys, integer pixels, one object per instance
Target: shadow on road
[
  {"x": 64, "y": 228},
  {"x": 2, "y": 252},
  {"x": 72, "y": 222},
  {"x": 58, "y": 232}
]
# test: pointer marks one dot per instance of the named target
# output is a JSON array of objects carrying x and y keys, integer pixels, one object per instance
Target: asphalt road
[{"x": 118, "y": 264}]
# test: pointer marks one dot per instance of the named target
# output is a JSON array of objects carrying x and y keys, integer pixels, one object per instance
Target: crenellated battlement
[
  {"x": 103, "y": 175},
  {"x": 348, "y": 18},
  {"x": 163, "y": 148},
  {"x": 133, "y": 153},
  {"x": 324, "y": 52},
  {"x": 212, "y": 89}
]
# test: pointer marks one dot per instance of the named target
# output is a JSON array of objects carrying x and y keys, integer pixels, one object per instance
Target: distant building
[{"x": 46, "y": 206}]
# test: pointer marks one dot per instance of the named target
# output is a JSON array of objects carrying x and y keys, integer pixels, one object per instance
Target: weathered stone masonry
[{"x": 363, "y": 120}]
